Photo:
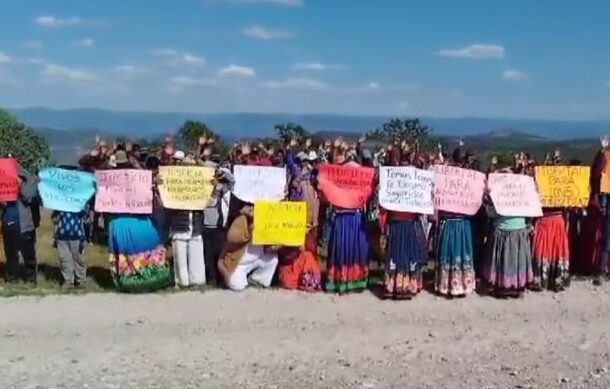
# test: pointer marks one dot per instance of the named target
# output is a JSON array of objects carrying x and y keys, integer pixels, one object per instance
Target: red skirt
[
  {"x": 551, "y": 253},
  {"x": 300, "y": 272}
]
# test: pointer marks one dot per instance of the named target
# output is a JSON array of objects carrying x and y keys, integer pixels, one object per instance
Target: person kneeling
[{"x": 242, "y": 262}]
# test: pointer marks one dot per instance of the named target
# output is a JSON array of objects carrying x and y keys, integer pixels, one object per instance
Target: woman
[
  {"x": 507, "y": 265},
  {"x": 243, "y": 263},
  {"x": 455, "y": 274},
  {"x": 137, "y": 255},
  {"x": 348, "y": 246},
  {"x": 299, "y": 268}
]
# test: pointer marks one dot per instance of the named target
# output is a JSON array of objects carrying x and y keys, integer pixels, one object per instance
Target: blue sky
[{"x": 519, "y": 58}]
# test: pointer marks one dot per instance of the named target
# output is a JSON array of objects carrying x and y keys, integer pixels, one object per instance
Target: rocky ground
[{"x": 277, "y": 339}]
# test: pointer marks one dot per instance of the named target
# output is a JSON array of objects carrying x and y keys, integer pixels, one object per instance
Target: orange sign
[{"x": 346, "y": 186}]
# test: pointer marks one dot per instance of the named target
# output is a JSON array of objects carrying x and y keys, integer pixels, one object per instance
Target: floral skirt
[
  {"x": 551, "y": 253},
  {"x": 508, "y": 261},
  {"x": 299, "y": 270},
  {"x": 405, "y": 259},
  {"x": 454, "y": 262},
  {"x": 137, "y": 256},
  {"x": 348, "y": 254}
]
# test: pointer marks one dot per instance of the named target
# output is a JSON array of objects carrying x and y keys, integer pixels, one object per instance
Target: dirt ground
[{"x": 278, "y": 339}]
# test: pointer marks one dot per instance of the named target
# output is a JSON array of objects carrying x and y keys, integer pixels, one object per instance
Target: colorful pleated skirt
[
  {"x": 508, "y": 261},
  {"x": 137, "y": 255},
  {"x": 406, "y": 255},
  {"x": 348, "y": 253},
  {"x": 454, "y": 262},
  {"x": 551, "y": 253}
]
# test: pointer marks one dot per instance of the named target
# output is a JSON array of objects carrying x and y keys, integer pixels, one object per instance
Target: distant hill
[
  {"x": 71, "y": 132},
  {"x": 243, "y": 125}
]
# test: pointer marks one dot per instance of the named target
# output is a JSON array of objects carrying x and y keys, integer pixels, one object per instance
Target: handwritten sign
[
  {"x": 186, "y": 187},
  {"x": 406, "y": 189},
  {"x": 458, "y": 190},
  {"x": 9, "y": 179},
  {"x": 280, "y": 223},
  {"x": 253, "y": 183},
  {"x": 65, "y": 190},
  {"x": 124, "y": 191},
  {"x": 563, "y": 186},
  {"x": 514, "y": 195},
  {"x": 346, "y": 186}
]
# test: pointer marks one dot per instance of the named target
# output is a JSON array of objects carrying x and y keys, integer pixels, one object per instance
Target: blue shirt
[
  {"x": 10, "y": 216},
  {"x": 70, "y": 226}
]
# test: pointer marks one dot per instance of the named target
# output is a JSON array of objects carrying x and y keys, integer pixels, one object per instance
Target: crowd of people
[{"x": 501, "y": 255}]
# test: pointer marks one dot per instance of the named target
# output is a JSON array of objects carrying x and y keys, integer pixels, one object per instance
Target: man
[{"x": 19, "y": 231}]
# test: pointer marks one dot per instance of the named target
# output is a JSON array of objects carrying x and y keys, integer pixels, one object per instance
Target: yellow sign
[
  {"x": 186, "y": 187},
  {"x": 280, "y": 223},
  {"x": 563, "y": 186}
]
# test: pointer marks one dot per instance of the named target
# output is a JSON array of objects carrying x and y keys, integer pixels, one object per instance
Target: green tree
[
  {"x": 402, "y": 129},
  {"x": 288, "y": 131},
  {"x": 190, "y": 132},
  {"x": 29, "y": 148}
]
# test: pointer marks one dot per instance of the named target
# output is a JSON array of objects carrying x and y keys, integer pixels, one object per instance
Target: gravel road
[{"x": 277, "y": 339}]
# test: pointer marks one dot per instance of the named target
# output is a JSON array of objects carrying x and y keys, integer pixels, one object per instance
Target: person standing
[
  {"x": 70, "y": 239},
  {"x": 19, "y": 232}
]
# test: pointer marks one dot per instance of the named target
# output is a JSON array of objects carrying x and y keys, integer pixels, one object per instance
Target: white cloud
[
  {"x": 475, "y": 51},
  {"x": 237, "y": 71},
  {"x": 514, "y": 75},
  {"x": 181, "y": 82},
  {"x": 129, "y": 71},
  {"x": 607, "y": 83},
  {"x": 373, "y": 85},
  {"x": 316, "y": 66},
  {"x": 176, "y": 58},
  {"x": 402, "y": 105},
  {"x": 54, "y": 22},
  {"x": 57, "y": 73},
  {"x": 260, "y": 32},
  {"x": 34, "y": 45},
  {"x": 296, "y": 83},
  {"x": 5, "y": 58},
  {"x": 287, "y": 3},
  {"x": 85, "y": 43}
]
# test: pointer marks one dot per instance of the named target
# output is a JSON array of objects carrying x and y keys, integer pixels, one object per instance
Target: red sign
[
  {"x": 9, "y": 180},
  {"x": 346, "y": 186}
]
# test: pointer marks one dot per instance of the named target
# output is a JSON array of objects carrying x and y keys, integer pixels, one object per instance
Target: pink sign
[
  {"x": 514, "y": 195},
  {"x": 458, "y": 190},
  {"x": 124, "y": 191}
]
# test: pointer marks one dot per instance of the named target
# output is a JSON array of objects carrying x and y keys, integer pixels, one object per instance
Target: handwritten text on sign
[
  {"x": 65, "y": 190},
  {"x": 280, "y": 223},
  {"x": 406, "y": 189},
  {"x": 563, "y": 186},
  {"x": 346, "y": 186},
  {"x": 186, "y": 187},
  {"x": 458, "y": 190},
  {"x": 124, "y": 191},
  {"x": 253, "y": 183},
  {"x": 9, "y": 181},
  {"x": 514, "y": 195}
]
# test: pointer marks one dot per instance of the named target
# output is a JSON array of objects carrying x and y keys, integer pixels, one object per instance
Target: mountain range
[{"x": 71, "y": 132}]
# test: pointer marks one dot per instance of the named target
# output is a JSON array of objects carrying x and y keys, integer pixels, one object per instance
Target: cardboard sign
[
  {"x": 9, "y": 180},
  {"x": 514, "y": 195},
  {"x": 280, "y": 223},
  {"x": 65, "y": 190},
  {"x": 346, "y": 186},
  {"x": 124, "y": 191},
  {"x": 458, "y": 190},
  {"x": 406, "y": 189},
  {"x": 186, "y": 187},
  {"x": 254, "y": 183},
  {"x": 563, "y": 186}
]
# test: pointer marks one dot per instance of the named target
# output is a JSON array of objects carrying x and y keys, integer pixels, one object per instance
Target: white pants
[
  {"x": 256, "y": 264},
  {"x": 189, "y": 266}
]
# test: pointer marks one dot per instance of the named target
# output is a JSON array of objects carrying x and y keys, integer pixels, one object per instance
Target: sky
[{"x": 444, "y": 58}]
